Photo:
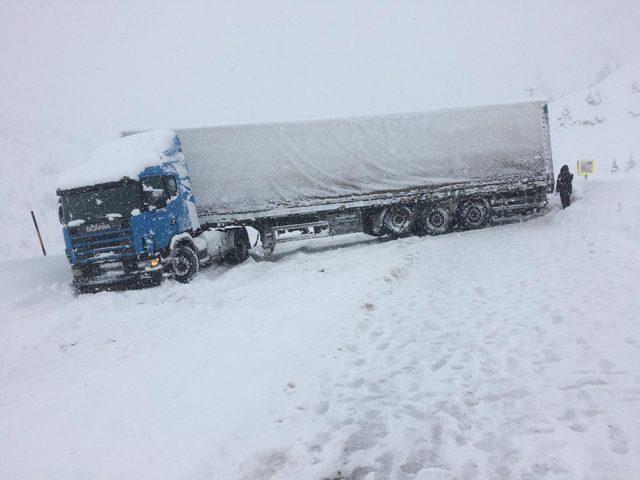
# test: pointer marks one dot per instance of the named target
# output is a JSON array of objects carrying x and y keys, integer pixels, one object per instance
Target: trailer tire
[
  {"x": 185, "y": 263},
  {"x": 398, "y": 220},
  {"x": 241, "y": 245},
  {"x": 473, "y": 214},
  {"x": 436, "y": 220}
]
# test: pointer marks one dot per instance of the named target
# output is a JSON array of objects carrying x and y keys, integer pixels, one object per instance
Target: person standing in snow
[{"x": 563, "y": 186}]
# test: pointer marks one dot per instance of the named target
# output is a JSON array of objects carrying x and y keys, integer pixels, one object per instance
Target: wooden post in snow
[{"x": 35, "y": 224}]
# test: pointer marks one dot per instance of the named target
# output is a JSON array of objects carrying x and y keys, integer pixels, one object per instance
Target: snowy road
[{"x": 510, "y": 352}]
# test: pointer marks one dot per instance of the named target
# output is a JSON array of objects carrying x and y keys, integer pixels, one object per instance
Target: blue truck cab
[{"x": 139, "y": 224}]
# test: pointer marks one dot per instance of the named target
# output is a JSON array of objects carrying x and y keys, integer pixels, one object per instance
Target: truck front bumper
[{"x": 114, "y": 275}]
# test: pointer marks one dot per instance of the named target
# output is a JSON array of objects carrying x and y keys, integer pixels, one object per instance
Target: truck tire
[
  {"x": 240, "y": 251},
  {"x": 436, "y": 220},
  {"x": 185, "y": 263},
  {"x": 398, "y": 220},
  {"x": 473, "y": 214}
]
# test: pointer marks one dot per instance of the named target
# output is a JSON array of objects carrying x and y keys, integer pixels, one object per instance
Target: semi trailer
[{"x": 163, "y": 203}]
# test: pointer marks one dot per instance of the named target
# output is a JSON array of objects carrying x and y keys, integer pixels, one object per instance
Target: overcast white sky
[{"x": 95, "y": 67}]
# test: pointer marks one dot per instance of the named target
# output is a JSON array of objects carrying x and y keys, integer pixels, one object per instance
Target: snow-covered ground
[{"x": 508, "y": 352}]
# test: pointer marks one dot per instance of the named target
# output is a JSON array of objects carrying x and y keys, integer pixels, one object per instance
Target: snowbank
[{"x": 126, "y": 157}]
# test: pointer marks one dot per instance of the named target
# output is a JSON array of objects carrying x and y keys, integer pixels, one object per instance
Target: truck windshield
[{"x": 101, "y": 201}]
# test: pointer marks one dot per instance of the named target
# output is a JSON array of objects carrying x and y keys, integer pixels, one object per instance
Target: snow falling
[{"x": 505, "y": 353}]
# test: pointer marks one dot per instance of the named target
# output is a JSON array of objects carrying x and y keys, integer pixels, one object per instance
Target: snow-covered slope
[
  {"x": 507, "y": 353},
  {"x": 601, "y": 123},
  {"x": 33, "y": 158}
]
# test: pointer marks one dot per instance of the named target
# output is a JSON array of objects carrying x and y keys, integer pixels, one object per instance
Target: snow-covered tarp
[
  {"x": 126, "y": 157},
  {"x": 246, "y": 168}
]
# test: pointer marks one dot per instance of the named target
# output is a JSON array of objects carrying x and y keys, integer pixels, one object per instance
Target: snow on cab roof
[{"x": 126, "y": 157}]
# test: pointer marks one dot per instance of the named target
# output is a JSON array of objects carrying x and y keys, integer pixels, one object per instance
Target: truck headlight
[
  {"x": 154, "y": 262},
  {"x": 77, "y": 272}
]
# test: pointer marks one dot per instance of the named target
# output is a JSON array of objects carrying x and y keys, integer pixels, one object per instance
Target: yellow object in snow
[{"x": 586, "y": 167}]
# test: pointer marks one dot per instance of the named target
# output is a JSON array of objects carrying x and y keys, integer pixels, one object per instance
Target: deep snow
[{"x": 509, "y": 352}]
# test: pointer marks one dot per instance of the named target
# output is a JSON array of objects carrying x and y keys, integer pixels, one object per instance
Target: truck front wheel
[{"x": 185, "y": 263}]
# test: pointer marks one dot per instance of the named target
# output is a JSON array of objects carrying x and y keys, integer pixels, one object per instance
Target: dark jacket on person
[{"x": 563, "y": 185}]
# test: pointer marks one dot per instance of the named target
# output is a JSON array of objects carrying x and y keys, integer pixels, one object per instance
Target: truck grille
[{"x": 115, "y": 244}]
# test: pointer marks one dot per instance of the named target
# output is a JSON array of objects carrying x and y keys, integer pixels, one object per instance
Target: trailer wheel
[
  {"x": 436, "y": 220},
  {"x": 398, "y": 220},
  {"x": 240, "y": 251},
  {"x": 185, "y": 263},
  {"x": 473, "y": 214}
]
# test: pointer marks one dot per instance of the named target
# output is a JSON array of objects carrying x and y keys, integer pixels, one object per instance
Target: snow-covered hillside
[
  {"x": 602, "y": 123},
  {"x": 33, "y": 158},
  {"x": 504, "y": 353}
]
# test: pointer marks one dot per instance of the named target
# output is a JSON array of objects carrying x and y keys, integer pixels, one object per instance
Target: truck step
[{"x": 291, "y": 233}]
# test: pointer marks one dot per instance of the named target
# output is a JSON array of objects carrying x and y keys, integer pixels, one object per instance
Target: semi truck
[{"x": 161, "y": 203}]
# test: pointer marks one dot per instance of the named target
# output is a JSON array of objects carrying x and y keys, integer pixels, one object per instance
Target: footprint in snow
[
  {"x": 618, "y": 440},
  {"x": 368, "y": 307}
]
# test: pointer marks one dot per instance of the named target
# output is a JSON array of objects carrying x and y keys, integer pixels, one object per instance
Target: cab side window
[
  {"x": 157, "y": 183},
  {"x": 155, "y": 192},
  {"x": 172, "y": 186}
]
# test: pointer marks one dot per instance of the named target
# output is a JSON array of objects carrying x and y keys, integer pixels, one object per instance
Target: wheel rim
[
  {"x": 436, "y": 219},
  {"x": 474, "y": 214},
  {"x": 181, "y": 266},
  {"x": 398, "y": 220}
]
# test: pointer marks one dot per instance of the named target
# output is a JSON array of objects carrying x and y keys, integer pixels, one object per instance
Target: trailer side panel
[{"x": 248, "y": 168}]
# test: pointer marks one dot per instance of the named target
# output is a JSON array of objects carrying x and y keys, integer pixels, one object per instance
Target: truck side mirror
[{"x": 60, "y": 215}]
